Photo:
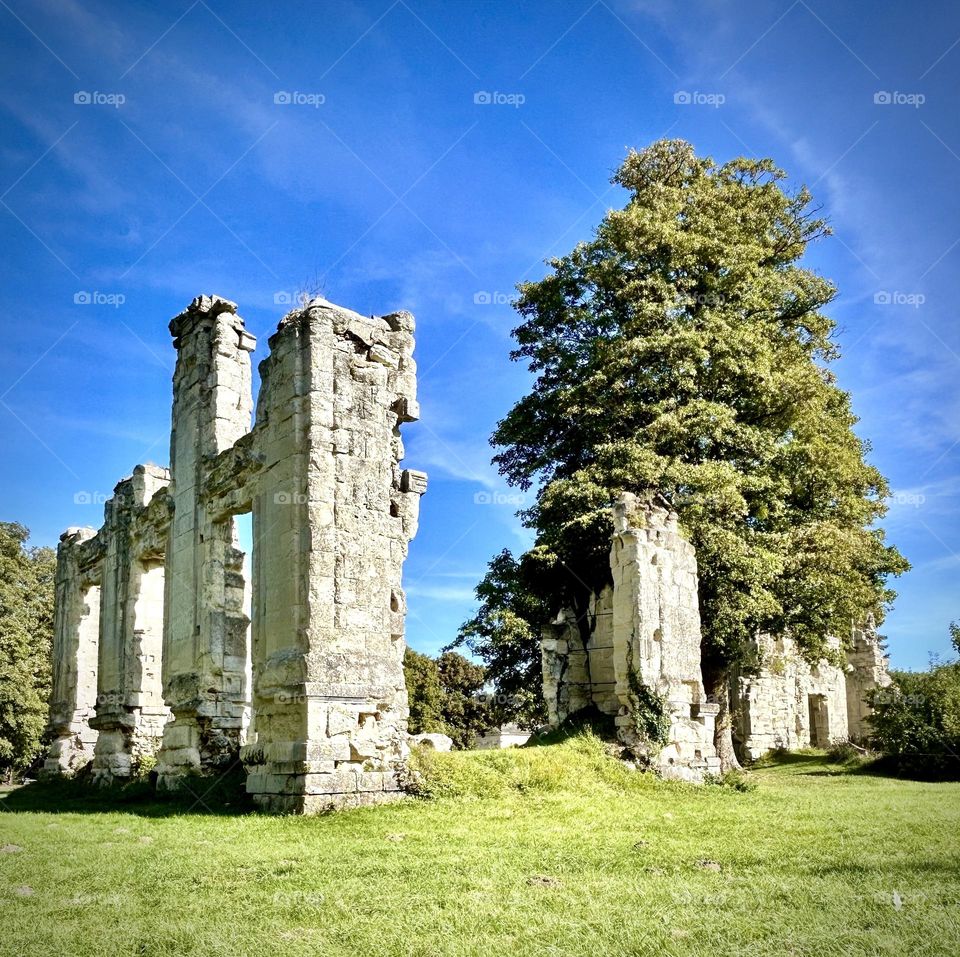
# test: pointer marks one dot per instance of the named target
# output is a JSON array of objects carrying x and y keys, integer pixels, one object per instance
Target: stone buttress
[{"x": 333, "y": 515}]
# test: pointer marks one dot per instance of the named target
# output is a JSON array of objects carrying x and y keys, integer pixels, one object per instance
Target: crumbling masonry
[
  {"x": 153, "y": 652},
  {"x": 637, "y": 649}
]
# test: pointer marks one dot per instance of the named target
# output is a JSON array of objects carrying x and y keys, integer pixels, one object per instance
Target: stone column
[
  {"x": 76, "y": 638},
  {"x": 563, "y": 661},
  {"x": 656, "y": 632},
  {"x": 205, "y": 636},
  {"x": 333, "y": 515},
  {"x": 866, "y": 671},
  {"x": 130, "y": 711}
]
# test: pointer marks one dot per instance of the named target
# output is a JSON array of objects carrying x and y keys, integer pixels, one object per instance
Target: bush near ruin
[
  {"x": 916, "y": 722},
  {"x": 26, "y": 631}
]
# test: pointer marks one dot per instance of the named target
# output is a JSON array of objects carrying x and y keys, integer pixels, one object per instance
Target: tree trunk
[{"x": 717, "y": 686}]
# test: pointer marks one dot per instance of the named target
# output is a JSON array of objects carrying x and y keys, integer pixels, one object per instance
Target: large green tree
[
  {"x": 684, "y": 350},
  {"x": 445, "y": 696},
  {"x": 26, "y": 633},
  {"x": 515, "y": 604}
]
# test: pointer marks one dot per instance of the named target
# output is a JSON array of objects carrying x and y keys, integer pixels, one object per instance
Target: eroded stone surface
[
  {"x": 130, "y": 710},
  {"x": 76, "y": 640},
  {"x": 644, "y": 630},
  {"x": 324, "y": 723},
  {"x": 790, "y": 703}
]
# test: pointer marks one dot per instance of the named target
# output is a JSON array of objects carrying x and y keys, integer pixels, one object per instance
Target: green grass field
[{"x": 550, "y": 850}]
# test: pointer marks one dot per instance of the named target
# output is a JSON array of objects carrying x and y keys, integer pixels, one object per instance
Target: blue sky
[{"x": 381, "y": 182}]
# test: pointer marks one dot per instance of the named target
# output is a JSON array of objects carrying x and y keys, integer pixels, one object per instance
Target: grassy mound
[{"x": 580, "y": 762}]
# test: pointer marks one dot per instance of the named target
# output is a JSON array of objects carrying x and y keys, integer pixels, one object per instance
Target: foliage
[
  {"x": 590, "y": 720},
  {"x": 651, "y": 722},
  {"x": 916, "y": 722},
  {"x": 444, "y": 696},
  {"x": 26, "y": 634},
  {"x": 464, "y": 713},
  {"x": 735, "y": 779},
  {"x": 684, "y": 350},
  {"x": 424, "y": 693},
  {"x": 505, "y": 635}
]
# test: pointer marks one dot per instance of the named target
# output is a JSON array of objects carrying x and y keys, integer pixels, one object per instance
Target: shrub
[{"x": 916, "y": 721}]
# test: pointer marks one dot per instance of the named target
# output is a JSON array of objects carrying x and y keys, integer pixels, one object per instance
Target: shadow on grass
[
  {"x": 203, "y": 796},
  {"x": 822, "y": 764}
]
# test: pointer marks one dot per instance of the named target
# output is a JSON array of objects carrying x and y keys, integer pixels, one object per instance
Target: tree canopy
[
  {"x": 444, "y": 696},
  {"x": 685, "y": 350},
  {"x": 26, "y": 633}
]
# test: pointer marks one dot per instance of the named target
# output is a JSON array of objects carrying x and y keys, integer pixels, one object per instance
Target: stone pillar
[
  {"x": 865, "y": 672},
  {"x": 205, "y": 636},
  {"x": 76, "y": 638},
  {"x": 130, "y": 711},
  {"x": 656, "y": 635},
  {"x": 333, "y": 514},
  {"x": 563, "y": 659}
]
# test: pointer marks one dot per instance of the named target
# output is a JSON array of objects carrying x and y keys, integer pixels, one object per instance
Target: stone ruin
[
  {"x": 790, "y": 703},
  {"x": 155, "y": 657},
  {"x": 642, "y": 634},
  {"x": 154, "y": 654}
]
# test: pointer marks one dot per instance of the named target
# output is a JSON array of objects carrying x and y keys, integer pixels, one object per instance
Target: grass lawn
[{"x": 550, "y": 850}]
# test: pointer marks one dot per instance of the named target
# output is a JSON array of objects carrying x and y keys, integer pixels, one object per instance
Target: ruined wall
[
  {"x": 790, "y": 703},
  {"x": 642, "y": 631},
  {"x": 130, "y": 712},
  {"x": 333, "y": 514},
  {"x": 76, "y": 639},
  {"x": 577, "y": 660},
  {"x": 656, "y": 623},
  {"x": 867, "y": 670}
]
